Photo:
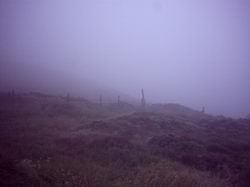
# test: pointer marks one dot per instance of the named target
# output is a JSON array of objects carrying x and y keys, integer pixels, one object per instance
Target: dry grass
[{"x": 82, "y": 144}]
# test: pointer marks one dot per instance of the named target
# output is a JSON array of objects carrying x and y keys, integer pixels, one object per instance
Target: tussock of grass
[
  {"x": 172, "y": 174},
  {"x": 45, "y": 141}
]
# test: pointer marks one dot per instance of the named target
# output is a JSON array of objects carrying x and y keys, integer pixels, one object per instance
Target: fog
[{"x": 191, "y": 52}]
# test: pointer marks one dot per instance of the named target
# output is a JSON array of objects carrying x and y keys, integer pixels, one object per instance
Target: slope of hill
[
  {"x": 177, "y": 109},
  {"x": 51, "y": 141}
]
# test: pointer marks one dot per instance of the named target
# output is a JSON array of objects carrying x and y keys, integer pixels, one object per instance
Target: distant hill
[{"x": 27, "y": 77}]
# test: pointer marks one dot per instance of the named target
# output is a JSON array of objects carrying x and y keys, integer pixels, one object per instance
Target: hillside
[{"x": 51, "y": 141}]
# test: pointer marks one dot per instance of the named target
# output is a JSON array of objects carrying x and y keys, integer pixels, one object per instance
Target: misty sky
[{"x": 192, "y": 52}]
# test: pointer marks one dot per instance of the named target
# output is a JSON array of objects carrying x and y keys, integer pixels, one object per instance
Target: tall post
[
  {"x": 67, "y": 98},
  {"x": 13, "y": 96},
  {"x": 203, "y": 110},
  {"x": 118, "y": 101},
  {"x": 143, "y": 102},
  {"x": 13, "y": 93},
  {"x": 100, "y": 100}
]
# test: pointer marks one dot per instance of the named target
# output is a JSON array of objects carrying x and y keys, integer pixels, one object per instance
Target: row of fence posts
[
  {"x": 13, "y": 94},
  {"x": 143, "y": 101}
]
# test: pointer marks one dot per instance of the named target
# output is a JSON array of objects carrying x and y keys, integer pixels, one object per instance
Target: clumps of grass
[
  {"x": 83, "y": 144},
  {"x": 202, "y": 155},
  {"x": 99, "y": 125},
  {"x": 172, "y": 174},
  {"x": 118, "y": 151},
  {"x": 62, "y": 171},
  {"x": 69, "y": 172},
  {"x": 170, "y": 143}
]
